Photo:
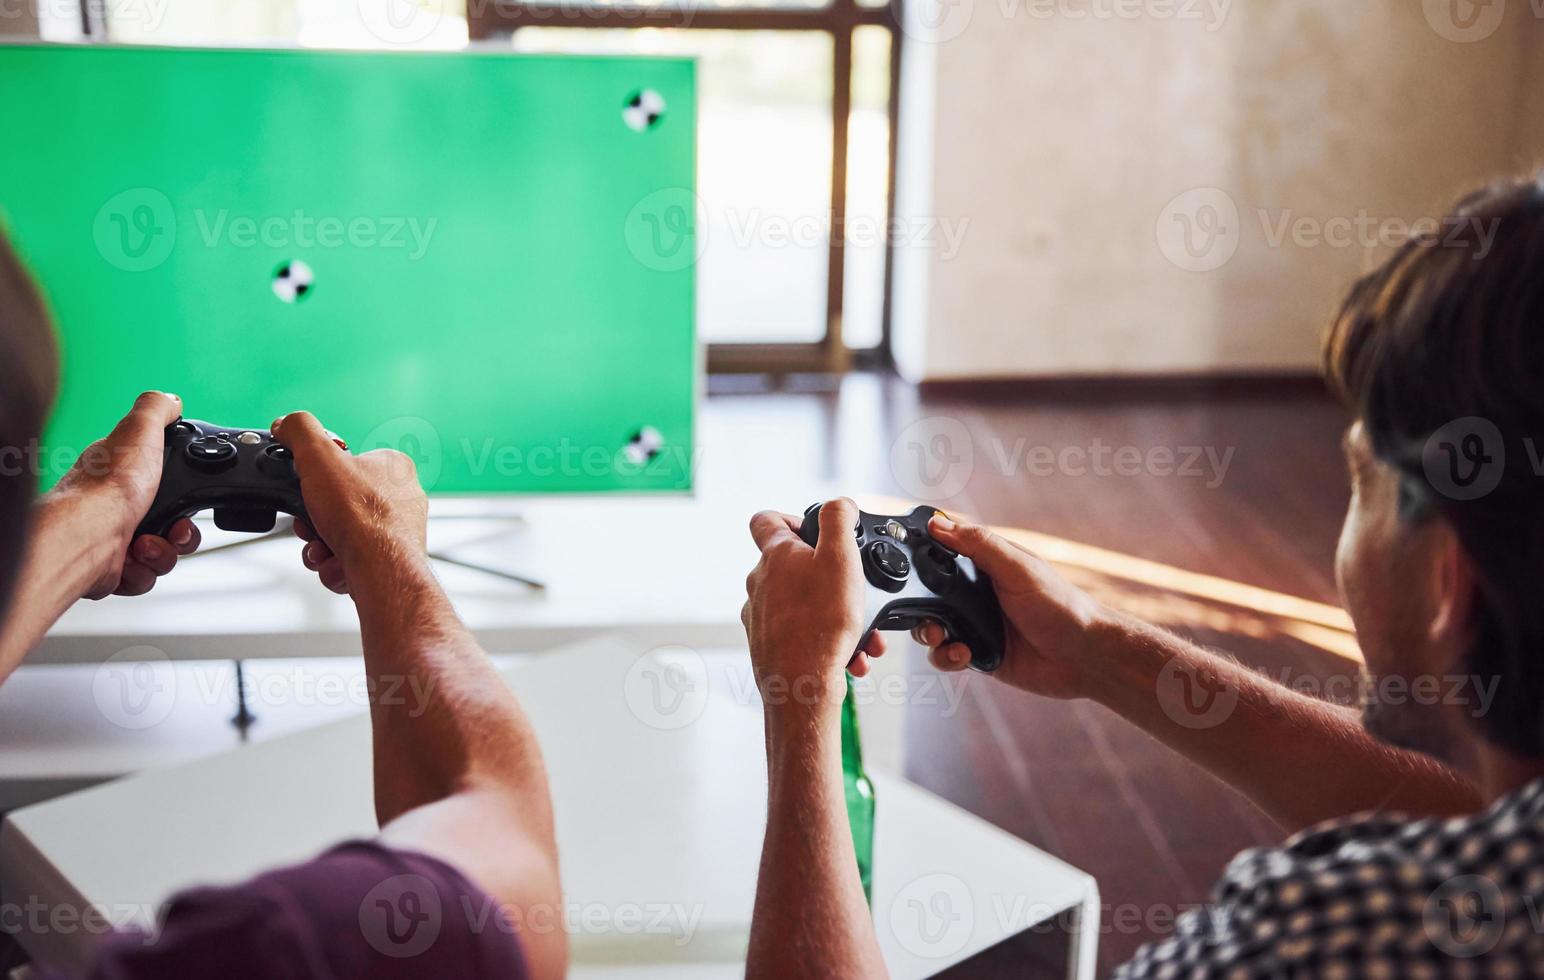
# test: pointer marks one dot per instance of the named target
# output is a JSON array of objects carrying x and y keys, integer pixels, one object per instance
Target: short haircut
[
  {"x": 1442, "y": 346},
  {"x": 29, "y": 369}
]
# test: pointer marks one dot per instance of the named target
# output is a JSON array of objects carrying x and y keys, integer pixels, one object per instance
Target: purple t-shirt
[{"x": 359, "y": 910}]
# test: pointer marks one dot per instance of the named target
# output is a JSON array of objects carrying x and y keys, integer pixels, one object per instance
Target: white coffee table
[{"x": 687, "y": 771}]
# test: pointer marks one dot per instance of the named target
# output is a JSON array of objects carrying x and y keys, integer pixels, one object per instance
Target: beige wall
[
  {"x": 1067, "y": 143},
  {"x": 18, "y": 19}
]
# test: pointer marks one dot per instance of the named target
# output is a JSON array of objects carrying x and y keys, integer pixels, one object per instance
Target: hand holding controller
[
  {"x": 914, "y": 579},
  {"x": 244, "y": 475}
]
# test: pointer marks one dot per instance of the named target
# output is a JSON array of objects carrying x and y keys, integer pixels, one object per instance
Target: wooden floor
[{"x": 1070, "y": 777}]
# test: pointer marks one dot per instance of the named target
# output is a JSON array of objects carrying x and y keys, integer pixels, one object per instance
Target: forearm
[
  {"x": 443, "y": 719},
  {"x": 1299, "y": 758},
  {"x": 458, "y": 772},
  {"x": 62, "y": 550},
  {"x": 811, "y": 918}
]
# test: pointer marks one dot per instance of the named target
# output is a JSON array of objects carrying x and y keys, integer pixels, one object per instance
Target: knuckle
[
  {"x": 396, "y": 459},
  {"x": 301, "y": 420}
]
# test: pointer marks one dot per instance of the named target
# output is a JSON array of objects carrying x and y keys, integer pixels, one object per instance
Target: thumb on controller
[
  {"x": 995, "y": 555},
  {"x": 837, "y": 518},
  {"x": 312, "y": 445}
]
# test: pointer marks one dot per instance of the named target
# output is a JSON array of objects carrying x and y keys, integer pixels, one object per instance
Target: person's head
[
  {"x": 28, "y": 375},
  {"x": 1439, "y": 354}
]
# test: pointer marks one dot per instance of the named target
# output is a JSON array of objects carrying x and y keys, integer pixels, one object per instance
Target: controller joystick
[
  {"x": 939, "y": 569},
  {"x": 886, "y": 566},
  {"x": 244, "y": 475},
  {"x": 913, "y": 579}
]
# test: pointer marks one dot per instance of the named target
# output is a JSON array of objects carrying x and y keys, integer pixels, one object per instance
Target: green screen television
[{"x": 485, "y": 260}]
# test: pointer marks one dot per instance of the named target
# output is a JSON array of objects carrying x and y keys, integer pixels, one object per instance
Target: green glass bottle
[{"x": 860, "y": 793}]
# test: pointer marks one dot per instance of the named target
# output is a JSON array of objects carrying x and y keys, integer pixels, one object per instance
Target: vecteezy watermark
[
  {"x": 137, "y": 229},
  {"x": 401, "y": 23},
  {"x": 641, "y": 455},
  {"x": 401, "y": 916},
  {"x": 1466, "y": 458},
  {"x": 933, "y": 916},
  {"x": 934, "y": 458},
  {"x": 1201, "y": 229},
  {"x": 303, "y": 231},
  {"x": 675, "y": 921},
  {"x": 135, "y": 688},
  {"x": 139, "y": 687},
  {"x": 1195, "y": 696},
  {"x": 1465, "y": 916},
  {"x": 34, "y": 916},
  {"x": 144, "y": 16},
  {"x": 1471, "y": 692},
  {"x": 665, "y": 464},
  {"x": 667, "y": 687},
  {"x": 568, "y": 459},
  {"x": 1366, "y": 230},
  {"x": 1198, "y": 695},
  {"x": 415, "y": 438},
  {"x": 404, "y": 915},
  {"x": 938, "y": 21},
  {"x": 1467, "y": 21},
  {"x": 754, "y": 227},
  {"x": 667, "y": 230},
  {"x": 892, "y": 690},
  {"x": 1101, "y": 459},
  {"x": 1210, "y": 14}
]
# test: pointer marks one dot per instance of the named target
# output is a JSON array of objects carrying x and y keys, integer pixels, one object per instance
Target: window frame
[{"x": 493, "y": 19}]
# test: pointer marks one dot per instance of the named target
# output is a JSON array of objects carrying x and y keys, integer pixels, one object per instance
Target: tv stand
[
  {"x": 286, "y": 524},
  {"x": 244, "y": 718}
]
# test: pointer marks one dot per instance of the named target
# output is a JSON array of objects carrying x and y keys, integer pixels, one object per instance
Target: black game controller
[
  {"x": 244, "y": 475},
  {"x": 914, "y": 579}
]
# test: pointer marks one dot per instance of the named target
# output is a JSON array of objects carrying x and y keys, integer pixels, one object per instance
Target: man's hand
[
  {"x": 367, "y": 512},
  {"x": 1048, "y": 622},
  {"x": 805, "y": 611},
  {"x": 105, "y": 495}
]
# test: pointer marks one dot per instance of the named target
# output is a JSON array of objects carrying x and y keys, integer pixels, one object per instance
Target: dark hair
[
  {"x": 1440, "y": 354},
  {"x": 28, "y": 374}
]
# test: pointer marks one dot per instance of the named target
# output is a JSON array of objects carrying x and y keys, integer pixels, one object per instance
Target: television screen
[{"x": 484, "y": 259}]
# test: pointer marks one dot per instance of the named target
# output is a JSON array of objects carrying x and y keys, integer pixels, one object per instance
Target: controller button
[
  {"x": 182, "y": 428},
  {"x": 211, "y": 453},
  {"x": 891, "y": 559},
  {"x": 895, "y": 529},
  {"x": 277, "y": 462},
  {"x": 249, "y": 439},
  {"x": 886, "y": 566}
]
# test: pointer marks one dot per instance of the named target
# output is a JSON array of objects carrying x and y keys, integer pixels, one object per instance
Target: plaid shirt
[{"x": 1375, "y": 895}]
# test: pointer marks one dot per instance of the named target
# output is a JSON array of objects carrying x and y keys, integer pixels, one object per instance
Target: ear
[{"x": 1452, "y": 591}]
